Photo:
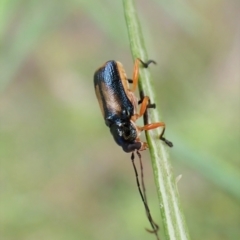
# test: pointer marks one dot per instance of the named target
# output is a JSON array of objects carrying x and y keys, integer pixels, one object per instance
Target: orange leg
[
  {"x": 152, "y": 126},
  {"x": 143, "y": 108},
  {"x": 135, "y": 74},
  {"x": 136, "y": 71},
  {"x": 156, "y": 125}
]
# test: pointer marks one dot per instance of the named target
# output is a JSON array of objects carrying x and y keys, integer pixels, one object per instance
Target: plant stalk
[{"x": 169, "y": 202}]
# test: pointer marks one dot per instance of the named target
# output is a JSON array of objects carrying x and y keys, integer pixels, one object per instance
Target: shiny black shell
[
  {"x": 114, "y": 97},
  {"x": 111, "y": 93}
]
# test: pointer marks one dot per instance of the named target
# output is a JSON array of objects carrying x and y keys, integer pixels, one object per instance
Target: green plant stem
[{"x": 169, "y": 203}]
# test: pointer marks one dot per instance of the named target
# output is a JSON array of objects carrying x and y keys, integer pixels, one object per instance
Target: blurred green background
[{"x": 62, "y": 175}]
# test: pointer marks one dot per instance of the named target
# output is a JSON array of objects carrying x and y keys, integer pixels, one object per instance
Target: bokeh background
[{"x": 62, "y": 176}]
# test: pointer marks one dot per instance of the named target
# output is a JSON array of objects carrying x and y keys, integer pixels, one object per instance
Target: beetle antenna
[
  {"x": 144, "y": 189},
  {"x": 155, "y": 227},
  {"x": 142, "y": 176}
]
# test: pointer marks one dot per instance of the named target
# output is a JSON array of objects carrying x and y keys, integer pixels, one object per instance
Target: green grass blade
[{"x": 169, "y": 203}]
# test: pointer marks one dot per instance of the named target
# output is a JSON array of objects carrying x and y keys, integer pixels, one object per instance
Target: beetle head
[
  {"x": 124, "y": 130},
  {"x": 125, "y": 134}
]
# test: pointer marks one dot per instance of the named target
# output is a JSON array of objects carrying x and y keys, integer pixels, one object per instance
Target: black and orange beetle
[{"x": 119, "y": 105}]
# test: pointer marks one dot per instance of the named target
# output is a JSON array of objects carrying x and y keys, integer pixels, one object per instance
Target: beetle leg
[
  {"x": 170, "y": 144},
  {"x": 144, "y": 146},
  {"x": 150, "y": 105},
  {"x": 136, "y": 71},
  {"x": 145, "y": 65},
  {"x": 152, "y": 126},
  {"x": 144, "y": 105},
  {"x": 135, "y": 74},
  {"x": 142, "y": 109},
  {"x": 156, "y": 125}
]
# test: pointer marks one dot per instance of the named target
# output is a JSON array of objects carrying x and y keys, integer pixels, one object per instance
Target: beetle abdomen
[{"x": 110, "y": 86}]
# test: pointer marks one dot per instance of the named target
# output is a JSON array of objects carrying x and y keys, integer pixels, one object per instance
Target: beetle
[{"x": 119, "y": 105}]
